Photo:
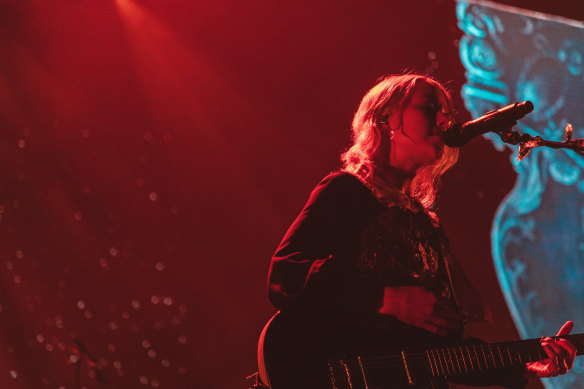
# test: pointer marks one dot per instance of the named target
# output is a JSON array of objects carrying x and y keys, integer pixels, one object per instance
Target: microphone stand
[{"x": 527, "y": 142}]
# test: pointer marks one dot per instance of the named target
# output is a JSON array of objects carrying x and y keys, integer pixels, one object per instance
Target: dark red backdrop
[{"x": 154, "y": 152}]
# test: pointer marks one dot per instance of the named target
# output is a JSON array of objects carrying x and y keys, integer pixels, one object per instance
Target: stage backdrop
[
  {"x": 154, "y": 152},
  {"x": 514, "y": 55}
]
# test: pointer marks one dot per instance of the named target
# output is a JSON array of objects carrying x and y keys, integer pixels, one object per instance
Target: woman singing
[{"x": 366, "y": 268}]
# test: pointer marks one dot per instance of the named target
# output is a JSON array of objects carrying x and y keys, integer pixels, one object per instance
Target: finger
[
  {"x": 562, "y": 366},
  {"x": 570, "y": 350},
  {"x": 549, "y": 366},
  {"x": 566, "y": 329},
  {"x": 565, "y": 350},
  {"x": 567, "y": 346},
  {"x": 558, "y": 350},
  {"x": 541, "y": 370},
  {"x": 566, "y": 365},
  {"x": 550, "y": 352},
  {"x": 557, "y": 354}
]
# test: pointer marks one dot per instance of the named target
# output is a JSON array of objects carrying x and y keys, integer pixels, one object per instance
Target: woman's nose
[{"x": 441, "y": 121}]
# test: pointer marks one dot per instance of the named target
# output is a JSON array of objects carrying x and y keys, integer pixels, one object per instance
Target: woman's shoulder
[
  {"x": 340, "y": 189},
  {"x": 340, "y": 177},
  {"x": 343, "y": 182}
]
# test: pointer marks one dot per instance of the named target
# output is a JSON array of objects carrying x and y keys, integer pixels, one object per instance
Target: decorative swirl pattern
[{"x": 538, "y": 231}]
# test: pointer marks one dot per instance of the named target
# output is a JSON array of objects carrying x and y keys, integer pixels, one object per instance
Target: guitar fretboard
[{"x": 478, "y": 357}]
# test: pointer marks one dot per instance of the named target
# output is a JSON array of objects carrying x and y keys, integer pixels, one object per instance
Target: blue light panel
[{"x": 538, "y": 233}]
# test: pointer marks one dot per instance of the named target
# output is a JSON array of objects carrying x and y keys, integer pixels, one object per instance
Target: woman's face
[{"x": 417, "y": 140}]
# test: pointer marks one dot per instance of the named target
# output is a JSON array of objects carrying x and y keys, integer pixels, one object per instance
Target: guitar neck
[
  {"x": 479, "y": 357},
  {"x": 417, "y": 368}
]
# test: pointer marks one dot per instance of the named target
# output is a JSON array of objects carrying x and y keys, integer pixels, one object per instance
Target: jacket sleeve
[{"x": 313, "y": 269}]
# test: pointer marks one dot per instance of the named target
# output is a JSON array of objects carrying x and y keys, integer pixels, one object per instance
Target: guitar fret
[
  {"x": 457, "y": 361},
  {"x": 492, "y": 356},
  {"x": 484, "y": 356},
  {"x": 501, "y": 356},
  {"x": 480, "y": 348},
  {"x": 442, "y": 372},
  {"x": 450, "y": 351},
  {"x": 519, "y": 356},
  {"x": 435, "y": 363},
  {"x": 451, "y": 361},
  {"x": 410, "y": 381},
  {"x": 445, "y": 362},
  {"x": 477, "y": 355},
  {"x": 443, "y": 359},
  {"x": 469, "y": 358},
  {"x": 362, "y": 371},
  {"x": 440, "y": 360},
  {"x": 430, "y": 362},
  {"x": 347, "y": 372},
  {"x": 332, "y": 376},
  {"x": 463, "y": 361}
]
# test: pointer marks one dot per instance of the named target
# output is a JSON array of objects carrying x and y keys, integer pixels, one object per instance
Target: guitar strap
[
  {"x": 452, "y": 290},
  {"x": 467, "y": 299}
]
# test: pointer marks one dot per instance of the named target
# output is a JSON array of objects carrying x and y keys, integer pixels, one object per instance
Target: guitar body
[
  {"x": 287, "y": 358},
  {"x": 293, "y": 354}
]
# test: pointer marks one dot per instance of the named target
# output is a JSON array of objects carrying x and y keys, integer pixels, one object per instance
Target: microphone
[{"x": 501, "y": 119}]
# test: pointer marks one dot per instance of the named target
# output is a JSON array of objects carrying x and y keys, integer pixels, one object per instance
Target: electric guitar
[{"x": 289, "y": 356}]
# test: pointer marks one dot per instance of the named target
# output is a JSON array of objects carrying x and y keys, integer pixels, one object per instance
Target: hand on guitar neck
[{"x": 560, "y": 352}]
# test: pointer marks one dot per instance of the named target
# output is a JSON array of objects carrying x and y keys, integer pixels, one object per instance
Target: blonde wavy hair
[{"x": 392, "y": 93}]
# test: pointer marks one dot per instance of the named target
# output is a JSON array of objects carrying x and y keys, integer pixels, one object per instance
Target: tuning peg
[
  {"x": 568, "y": 132},
  {"x": 523, "y": 151}
]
